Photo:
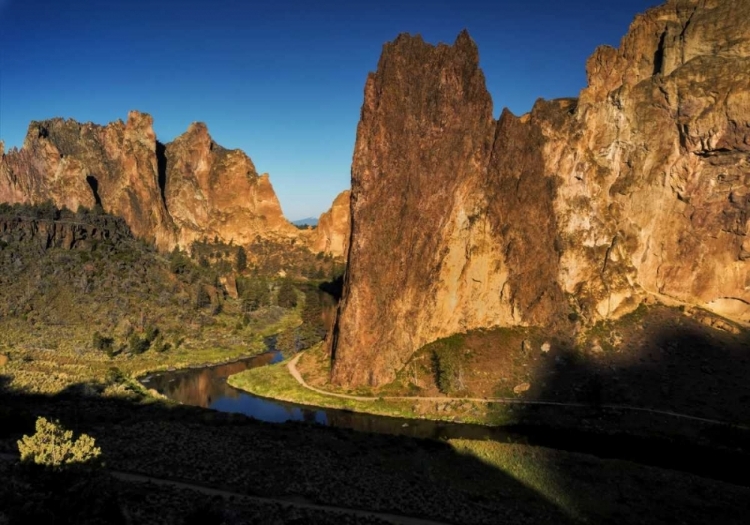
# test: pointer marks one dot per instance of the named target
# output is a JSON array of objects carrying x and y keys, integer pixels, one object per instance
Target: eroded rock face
[
  {"x": 640, "y": 187},
  {"x": 75, "y": 164},
  {"x": 190, "y": 189},
  {"x": 331, "y": 235},
  {"x": 214, "y": 192}
]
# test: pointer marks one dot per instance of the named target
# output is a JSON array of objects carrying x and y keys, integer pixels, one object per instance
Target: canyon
[
  {"x": 573, "y": 213},
  {"x": 169, "y": 194}
]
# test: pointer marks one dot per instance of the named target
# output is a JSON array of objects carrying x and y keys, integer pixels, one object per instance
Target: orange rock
[
  {"x": 640, "y": 187},
  {"x": 331, "y": 235},
  {"x": 171, "y": 194}
]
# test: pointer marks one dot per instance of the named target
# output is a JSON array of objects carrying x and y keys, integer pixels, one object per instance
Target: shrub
[
  {"x": 447, "y": 366},
  {"x": 114, "y": 376},
  {"x": 202, "y": 298},
  {"x": 53, "y": 446},
  {"x": 152, "y": 331},
  {"x": 254, "y": 293},
  {"x": 178, "y": 262},
  {"x": 138, "y": 345},
  {"x": 160, "y": 345},
  {"x": 104, "y": 344}
]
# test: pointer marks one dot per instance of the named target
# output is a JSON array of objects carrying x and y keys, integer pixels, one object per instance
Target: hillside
[{"x": 79, "y": 294}]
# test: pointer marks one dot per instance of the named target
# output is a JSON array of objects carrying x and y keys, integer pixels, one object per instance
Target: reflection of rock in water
[
  {"x": 203, "y": 386},
  {"x": 309, "y": 416}
]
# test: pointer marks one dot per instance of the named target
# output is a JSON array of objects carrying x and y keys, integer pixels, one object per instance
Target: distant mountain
[
  {"x": 123, "y": 169},
  {"x": 309, "y": 221}
]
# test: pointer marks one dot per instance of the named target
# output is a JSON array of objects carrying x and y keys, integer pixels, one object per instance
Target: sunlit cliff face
[
  {"x": 172, "y": 195},
  {"x": 583, "y": 206}
]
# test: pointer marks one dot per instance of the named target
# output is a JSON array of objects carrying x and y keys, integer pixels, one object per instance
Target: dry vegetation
[{"x": 113, "y": 308}]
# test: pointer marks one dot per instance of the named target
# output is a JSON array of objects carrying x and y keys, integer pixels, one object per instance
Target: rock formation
[
  {"x": 173, "y": 194},
  {"x": 639, "y": 187},
  {"x": 331, "y": 235},
  {"x": 75, "y": 164},
  {"x": 214, "y": 192}
]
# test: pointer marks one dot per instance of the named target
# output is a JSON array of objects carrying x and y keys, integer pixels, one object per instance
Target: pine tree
[
  {"x": 241, "y": 263},
  {"x": 287, "y": 295}
]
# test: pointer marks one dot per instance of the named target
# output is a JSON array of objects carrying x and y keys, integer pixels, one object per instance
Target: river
[{"x": 207, "y": 387}]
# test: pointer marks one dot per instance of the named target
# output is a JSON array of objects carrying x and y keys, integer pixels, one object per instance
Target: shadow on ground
[
  {"x": 299, "y": 461},
  {"x": 463, "y": 482}
]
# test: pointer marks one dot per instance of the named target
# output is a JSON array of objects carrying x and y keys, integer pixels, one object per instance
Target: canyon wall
[
  {"x": 579, "y": 209},
  {"x": 171, "y": 195}
]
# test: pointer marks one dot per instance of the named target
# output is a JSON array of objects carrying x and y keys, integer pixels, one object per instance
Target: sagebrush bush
[{"x": 53, "y": 446}]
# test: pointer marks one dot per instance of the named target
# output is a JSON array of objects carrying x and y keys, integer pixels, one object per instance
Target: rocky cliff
[
  {"x": 75, "y": 164},
  {"x": 579, "y": 209},
  {"x": 331, "y": 235},
  {"x": 171, "y": 194},
  {"x": 214, "y": 192}
]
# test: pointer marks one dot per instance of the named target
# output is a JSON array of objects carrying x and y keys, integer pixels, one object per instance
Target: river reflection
[{"x": 208, "y": 388}]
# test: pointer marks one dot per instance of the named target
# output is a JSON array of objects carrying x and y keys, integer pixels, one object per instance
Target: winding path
[
  {"x": 292, "y": 367},
  {"x": 290, "y": 501}
]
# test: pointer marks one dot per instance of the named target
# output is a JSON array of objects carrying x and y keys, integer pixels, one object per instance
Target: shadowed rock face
[
  {"x": 638, "y": 187},
  {"x": 171, "y": 195},
  {"x": 67, "y": 233}
]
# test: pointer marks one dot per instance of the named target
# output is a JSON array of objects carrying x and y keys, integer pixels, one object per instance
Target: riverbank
[{"x": 602, "y": 429}]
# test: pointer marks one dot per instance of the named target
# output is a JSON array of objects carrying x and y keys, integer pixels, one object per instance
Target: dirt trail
[
  {"x": 292, "y": 367},
  {"x": 292, "y": 501}
]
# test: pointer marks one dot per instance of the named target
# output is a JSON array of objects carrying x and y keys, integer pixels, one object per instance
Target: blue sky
[{"x": 282, "y": 80}]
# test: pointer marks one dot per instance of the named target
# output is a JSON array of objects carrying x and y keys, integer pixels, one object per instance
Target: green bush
[
  {"x": 138, "y": 345},
  {"x": 241, "y": 263},
  {"x": 446, "y": 364},
  {"x": 202, "y": 298},
  {"x": 53, "y": 446},
  {"x": 178, "y": 262},
  {"x": 254, "y": 294},
  {"x": 114, "y": 376}
]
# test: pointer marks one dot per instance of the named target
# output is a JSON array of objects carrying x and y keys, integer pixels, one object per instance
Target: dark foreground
[{"x": 453, "y": 481}]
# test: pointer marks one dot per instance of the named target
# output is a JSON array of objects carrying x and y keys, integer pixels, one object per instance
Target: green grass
[
  {"x": 528, "y": 465},
  {"x": 275, "y": 381}
]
